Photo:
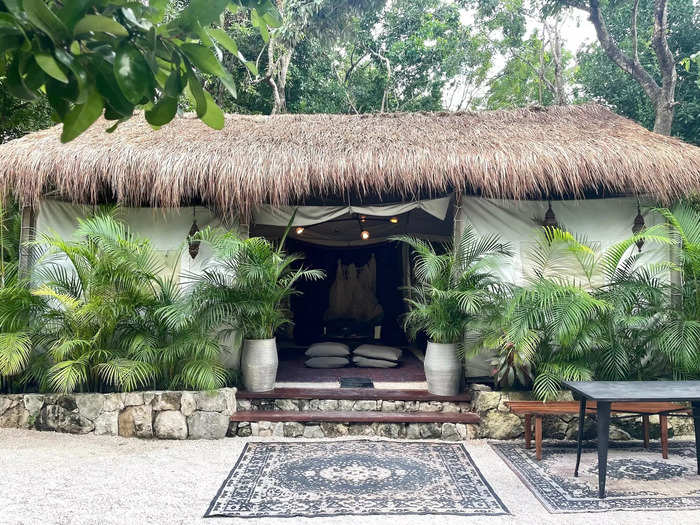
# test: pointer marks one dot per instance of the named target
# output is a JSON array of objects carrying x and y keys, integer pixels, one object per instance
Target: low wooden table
[{"x": 607, "y": 392}]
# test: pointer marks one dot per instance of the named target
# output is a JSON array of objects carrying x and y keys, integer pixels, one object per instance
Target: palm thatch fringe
[{"x": 523, "y": 153}]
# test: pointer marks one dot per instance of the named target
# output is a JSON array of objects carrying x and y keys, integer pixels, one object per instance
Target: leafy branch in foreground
[{"x": 108, "y": 57}]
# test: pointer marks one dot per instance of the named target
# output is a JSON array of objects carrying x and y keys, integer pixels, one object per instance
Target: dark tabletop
[{"x": 636, "y": 390}]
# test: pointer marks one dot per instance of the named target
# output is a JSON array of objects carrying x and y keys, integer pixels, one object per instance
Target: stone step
[
  {"x": 353, "y": 394},
  {"x": 318, "y": 416}
]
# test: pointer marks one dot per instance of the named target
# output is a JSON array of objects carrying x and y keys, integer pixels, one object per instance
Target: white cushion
[
  {"x": 378, "y": 352},
  {"x": 366, "y": 362},
  {"x": 328, "y": 350},
  {"x": 327, "y": 362}
]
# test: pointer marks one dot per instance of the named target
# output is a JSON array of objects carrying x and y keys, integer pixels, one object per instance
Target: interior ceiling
[{"x": 347, "y": 230}]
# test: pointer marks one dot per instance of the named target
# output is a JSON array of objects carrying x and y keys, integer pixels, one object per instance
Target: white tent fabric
[
  {"x": 308, "y": 215},
  {"x": 167, "y": 229},
  {"x": 602, "y": 222}
]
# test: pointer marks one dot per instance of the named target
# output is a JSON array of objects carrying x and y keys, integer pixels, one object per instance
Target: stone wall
[
  {"x": 497, "y": 422},
  {"x": 206, "y": 415},
  {"x": 163, "y": 415}
]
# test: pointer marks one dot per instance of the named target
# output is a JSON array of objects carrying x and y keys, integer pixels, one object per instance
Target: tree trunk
[
  {"x": 662, "y": 96},
  {"x": 664, "y": 116}
]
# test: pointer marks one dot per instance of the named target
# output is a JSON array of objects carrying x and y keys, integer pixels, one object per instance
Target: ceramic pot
[
  {"x": 443, "y": 369},
  {"x": 259, "y": 364}
]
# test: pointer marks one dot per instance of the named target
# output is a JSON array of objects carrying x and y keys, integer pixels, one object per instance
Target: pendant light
[
  {"x": 192, "y": 243},
  {"x": 299, "y": 230},
  {"x": 638, "y": 227},
  {"x": 550, "y": 219},
  {"x": 365, "y": 235}
]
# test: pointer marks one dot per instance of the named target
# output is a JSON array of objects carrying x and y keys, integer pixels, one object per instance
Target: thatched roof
[{"x": 524, "y": 153}]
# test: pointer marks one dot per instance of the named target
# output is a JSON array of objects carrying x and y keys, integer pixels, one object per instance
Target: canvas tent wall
[
  {"x": 166, "y": 229},
  {"x": 602, "y": 222}
]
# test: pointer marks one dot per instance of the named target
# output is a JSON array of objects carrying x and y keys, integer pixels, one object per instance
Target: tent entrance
[{"x": 361, "y": 300}]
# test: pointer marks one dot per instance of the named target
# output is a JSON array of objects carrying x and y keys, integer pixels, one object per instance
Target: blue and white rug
[
  {"x": 334, "y": 478},
  {"x": 637, "y": 479}
]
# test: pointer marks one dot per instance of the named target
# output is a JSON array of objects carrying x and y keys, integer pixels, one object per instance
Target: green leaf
[
  {"x": 203, "y": 58},
  {"x": 73, "y": 11},
  {"x": 42, "y": 17},
  {"x": 163, "y": 112},
  {"x": 108, "y": 88},
  {"x": 173, "y": 86},
  {"x": 99, "y": 24},
  {"x": 78, "y": 71},
  {"x": 15, "y": 84},
  {"x": 224, "y": 40},
  {"x": 259, "y": 22},
  {"x": 206, "y": 61},
  {"x": 195, "y": 89},
  {"x": 204, "y": 11},
  {"x": 50, "y": 66},
  {"x": 82, "y": 116},
  {"x": 133, "y": 75},
  {"x": 214, "y": 117}
]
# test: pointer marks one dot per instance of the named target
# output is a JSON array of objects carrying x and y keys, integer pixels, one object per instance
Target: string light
[{"x": 394, "y": 220}]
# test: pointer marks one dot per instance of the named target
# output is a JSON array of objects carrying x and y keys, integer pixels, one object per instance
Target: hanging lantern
[
  {"x": 299, "y": 230},
  {"x": 550, "y": 220},
  {"x": 192, "y": 243},
  {"x": 638, "y": 227},
  {"x": 365, "y": 235}
]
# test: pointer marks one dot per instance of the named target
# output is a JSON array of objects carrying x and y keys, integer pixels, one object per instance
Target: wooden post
[
  {"x": 538, "y": 437},
  {"x": 663, "y": 423},
  {"x": 645, "y": 428},
  {"x": 27, "y": 236},
  {"x": 528, "y": 430}
]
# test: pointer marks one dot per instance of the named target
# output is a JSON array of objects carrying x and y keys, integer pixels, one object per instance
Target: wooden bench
[{"x": 539, "y": 409}]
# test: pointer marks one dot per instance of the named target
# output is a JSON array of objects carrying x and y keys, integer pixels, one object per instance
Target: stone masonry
[{"x": 162, "y": 415}]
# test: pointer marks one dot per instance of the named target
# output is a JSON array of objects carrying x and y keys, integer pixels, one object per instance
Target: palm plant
[
  {"x": 455, "y": 285},
  {"x": 245, "y": 286},
  {"x": 585, "y": 313},
  {"x": 94, "y": 323},
  {"x": 680, "y": 337}
]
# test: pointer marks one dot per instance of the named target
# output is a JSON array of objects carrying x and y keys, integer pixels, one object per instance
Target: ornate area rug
[
  {"x": 334, "y": 478},
  {"x": 637, "y": 479}
]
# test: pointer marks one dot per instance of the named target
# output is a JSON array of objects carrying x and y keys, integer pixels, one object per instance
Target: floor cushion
[
  {"x": 366, "y": 362},
  {"x": 389, "y": 353},
  {"x": 328, "y": 350},
  {"x": 327, "y": 362}
]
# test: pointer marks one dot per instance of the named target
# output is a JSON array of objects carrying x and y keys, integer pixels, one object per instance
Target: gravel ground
[{"x": 60, "y": 478}]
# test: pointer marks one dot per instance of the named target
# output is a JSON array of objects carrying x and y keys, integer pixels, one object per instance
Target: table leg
[
  {"x": 538, "y": 437},
  {"x": 663, "y": 424},
  {"x": 528, "y": 430},
  {"x": 603, "y": 412},
  {"x": 696, "y": 420},
  {"x": 581, "y": 417},
  {"x": 645, "y": 429}
]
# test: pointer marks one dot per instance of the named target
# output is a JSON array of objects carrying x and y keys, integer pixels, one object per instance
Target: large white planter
[
  {"x": 259, "y": 364},
  {"x": 443, "y": 369}
]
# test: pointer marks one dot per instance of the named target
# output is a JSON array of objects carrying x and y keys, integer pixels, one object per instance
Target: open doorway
[{"x": 360, "y": 304}]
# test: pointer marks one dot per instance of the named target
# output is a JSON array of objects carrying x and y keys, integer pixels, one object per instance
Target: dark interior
[{"x": 308, "y": 309}]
